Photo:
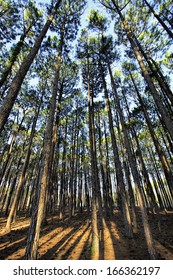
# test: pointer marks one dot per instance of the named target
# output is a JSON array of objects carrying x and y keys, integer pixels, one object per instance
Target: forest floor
[{"x": 70, "y": 239}]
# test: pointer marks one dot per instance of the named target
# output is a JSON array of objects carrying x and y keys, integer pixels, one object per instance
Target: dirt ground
[{"x": 70, "y": 239}]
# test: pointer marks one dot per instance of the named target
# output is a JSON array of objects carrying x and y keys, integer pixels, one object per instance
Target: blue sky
[{"x": 90, "y": 5}]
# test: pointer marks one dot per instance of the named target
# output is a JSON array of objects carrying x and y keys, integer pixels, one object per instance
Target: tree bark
[
  {"x": 33, "y": 235},
  {"x": 165, "y": 164},
  {"x": 166, "y": 118},
  {"x": 117, "y": 162},
  {"x": 137, "y": 184},
  {"x": 22, "y": 178},
  {"x": 14, "y": 89}
]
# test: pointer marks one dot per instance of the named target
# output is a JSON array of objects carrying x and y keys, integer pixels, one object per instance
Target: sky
[
  {"x": 84, "y": 22},
  {"x": 90, "y": 5}
]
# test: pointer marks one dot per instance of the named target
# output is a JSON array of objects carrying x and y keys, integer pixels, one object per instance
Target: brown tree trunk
[
  {"x": 33, "y": 235},
  {"x": 10, "y": 150},
  {"x": 105, "y": 186},
  {"x": 108, "y": 175},
  {"x": 117, "y": 162},
  {"x": 15, "y": 53},
  {"x": 141, "y": 160},
  {"x": 22, "y": 178},
  {"x": 12, "y": 187},
  {"x": 137, "y": 184},
  {"x": 13, "y": 91},
  {"x": 165, "y": 164},
  {"x": 63, "y": 177},
  {"x": 156, "y": 71},
  {"x": 126, "y": 166},
  {"x": 165, "y": 116},
  {"x": 95, "y": 250}
]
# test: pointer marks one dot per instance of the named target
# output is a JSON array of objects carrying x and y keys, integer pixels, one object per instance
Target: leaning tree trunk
[
  {"x": 12, "y": 188},
  {"x": 14, "y": 89},
  {"x": 156, "y": 72},
  {"x": 10, "y": 150},
  {"x": 159, "y": 19},
  {"x": 14, "y": 55},
  {"x": 141, "y": 160},
  {"x": 131, "y": 37},
  {"x": 132, "y": 161},
  {"x": 22, "y": 178},
  {"x": 163, "y": 159},
  {"x": 165, "y": 116},
  {"x": 126, "y": 167}
]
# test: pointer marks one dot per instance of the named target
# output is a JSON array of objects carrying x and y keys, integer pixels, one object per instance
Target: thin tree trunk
[
  {"x": 12, "y": 187},
  {"x": 156, "y": 72},
  {"x": 10, "y": 149},
  {"x": 105, "y": 189},
  {"x": 63, "y": 176},
  {"x": 141, "y": 160},
  {"x": 108, "y": 176},
  {"x": 132, "y": 161},
  {"x": 117, "y": 162},
  {"x": 159, "y": 19},
  {"x": 22, "y": 178},
  {"x": 165, "y": 164},
  {"x": 15, "y": 53}
]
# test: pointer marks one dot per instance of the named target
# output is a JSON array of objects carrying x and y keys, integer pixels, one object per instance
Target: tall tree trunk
[
  {"x": 165, "y": 116},
  {"x": 53, "y": 145},
  {"x": 117, "y": 162},
  {"x": 15, "y": 52},
  {"x": 155, "y": 71},
  {"x": 95, "y": 250},
  {"x": 105, "y": 187},
  {"x": 22, "y": 178},
  {"x": 76, "y": 171},
  {"x": 165, "y": 164},
  {"x": 130, "y": 35},
  {"x": 12, "y": 187},
  {"x": 63, "y": 176},
  {"x": 13, "y": 91},
  {"x": 168, "y": 199},
  {"x": 87, "y": 197},
  {"x": 126, "y": 166},
  {"x": 159, "y": 19},
  {"x": 80, "y": 183},
  {"x": 74, "y": 155},
  {"x": 10, "y": 149},
  {"x": 108, "y": 175},
  {"x": 138, "y": 187},
  {"x": 33, "y": 235},
  {"x": 141, "y": 160}
]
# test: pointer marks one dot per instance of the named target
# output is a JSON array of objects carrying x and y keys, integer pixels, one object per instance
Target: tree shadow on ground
[
  {"x": 64, "y": 243},
  {"x": 12, "y": 245},
  {"x": 70, "y": 239}
]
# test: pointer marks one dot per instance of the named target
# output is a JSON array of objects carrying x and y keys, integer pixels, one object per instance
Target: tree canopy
[{"x": 86, "y": 120}]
